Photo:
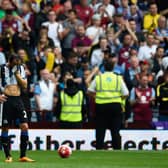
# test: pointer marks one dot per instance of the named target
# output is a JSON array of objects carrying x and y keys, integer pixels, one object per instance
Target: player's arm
[
  {"x": 3, "y": 98},
  {"x": 22, "y": 82},
  {"x": 124, "y": 90},
  {"x": 92, "y": 89},
  {"x": 21, "y": 76}
]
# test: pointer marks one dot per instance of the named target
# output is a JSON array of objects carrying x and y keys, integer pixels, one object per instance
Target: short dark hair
[
  {"x": 13, "y": 57},
  {"x": 103, "y": 37},
  {"x": 131, "y": 20},
  {"x": 71, "y": 55},
  {"x": 109, "y": 64},
  {"x": 152, "y": 3},
  {"x": 72, "y": 11},
  {"x": 159, "y": 48}
]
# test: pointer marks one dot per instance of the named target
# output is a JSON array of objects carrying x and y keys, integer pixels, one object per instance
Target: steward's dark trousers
[{"x": 108, "y": 116}]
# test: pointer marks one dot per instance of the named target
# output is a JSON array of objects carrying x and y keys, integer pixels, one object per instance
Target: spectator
[
  {"x": 143, "y": 5},
  {"x": 41, "y": 16},
  {"x": 106, "y": 10},
  {"x": 71, "y": 66},
  {"x": 55, "y": 29},
  {"x": 162, "y": 8},
  {"x": 161, "y": 32},
  {"x": 70, "y": 107},
  {"x": 113, "y": 42},
  {"x": 24, "y": 39},
  {"x": 43, "y": 43},
  {"x": 148, "y": 51},
  {"x": 43, "y": 31},
  {"x": 118, "y": 21},
  {"x": 84, "y": 12},
  {"x": 57, "y": 7},
  {"x": 95, "y": 31},
  {"x": 136, "y": 14},
  {"x": 150, "y": 22},
  {"x": 6, "y": 5},
  {"x": 9, "y": 22},
  {"x": 157, "y": 60},
  {"x": 45, "y": 60},
  {"x": 93, "y": 4},
  {"x": 109, "y": 8},
  {"x": 27, "y": 14},
  {"x": 132, "y": 72},
  {"x": 58, "y": 56},
  {"x": 124, "y": 9},
  {"x": 69, "y": 31},
  {"x": 124, "y": 51},
  {"x": 44, "y": 96},
  {"x": 105, "y": 18},
  {"x": 145, "y": 69},
  {"x": 162, "y": 100},
  {"x": 67, "y": 6},
  {"x": 97, "y": 54},
  {"x": 126, "y": 28},
  {"x": 140, "y": 38},
  {"x": 84, "y": 65},
  {"x": 81, "y": 40},
  {"x": 141, "y": 99}
]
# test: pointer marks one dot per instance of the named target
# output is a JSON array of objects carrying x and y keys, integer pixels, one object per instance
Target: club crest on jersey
[{"x": 147, "y": 93}]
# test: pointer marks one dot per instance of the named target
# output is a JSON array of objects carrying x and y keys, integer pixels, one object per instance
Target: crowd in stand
[{"x": 59, "y": 40}]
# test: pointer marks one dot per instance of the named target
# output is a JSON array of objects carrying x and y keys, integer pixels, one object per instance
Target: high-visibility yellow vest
[
  {"x": 71, "y": 109},
  {"x": 108, "y": 88}
]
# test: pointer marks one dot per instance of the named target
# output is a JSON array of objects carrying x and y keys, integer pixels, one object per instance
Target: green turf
[{"x": 92, "y": 159}]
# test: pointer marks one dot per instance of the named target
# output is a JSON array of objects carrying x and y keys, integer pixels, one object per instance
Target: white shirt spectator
[
  {"x": 97, "y": 57},
  {"x": 46, "y": 94},
  {"x": 53, "y": 29},
  {"x": 146, "y": 52},
  {"x": 94, "y": 32},
  {"x": 110, "y": 9},
  {"x": 93, "y": 7}
]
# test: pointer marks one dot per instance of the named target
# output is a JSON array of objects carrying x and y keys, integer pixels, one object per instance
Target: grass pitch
[{"x": 91, "y": 159}]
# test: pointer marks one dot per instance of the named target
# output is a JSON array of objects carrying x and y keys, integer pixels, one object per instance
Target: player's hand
[{"x": 3, "y": 98}]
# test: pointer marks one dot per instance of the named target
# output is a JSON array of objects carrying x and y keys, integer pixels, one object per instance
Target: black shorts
[{"x": 13, "y": 109}]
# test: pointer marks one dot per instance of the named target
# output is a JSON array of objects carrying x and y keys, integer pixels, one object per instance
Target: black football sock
[
  {"x": 24, "y": 141},
  {"x": 5, "y": 143}
]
